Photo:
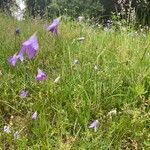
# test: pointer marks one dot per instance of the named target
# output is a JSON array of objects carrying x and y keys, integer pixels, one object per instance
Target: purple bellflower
[
  {"x": 94, "y": 125},
  {"x": 13, "y": 60},
  {"x": 34, "y": 116},
  {"x": 54, "y": 26},
  {"x": 30, "y": 47},
  {"x": 23, "y": 94},
  {"x": 40, "y": 75}
]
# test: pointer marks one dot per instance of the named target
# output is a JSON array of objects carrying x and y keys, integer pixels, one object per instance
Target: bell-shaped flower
[
  {"x": 34, "y": 116},
  {"x": 21, "y": 54},
  {"x": 40, "y": 75},
  {"x": 23, "y": 94},
  {"x": 13, "y": 60},
  {"x": 54, "y": 26},
  {"x": 94, "y": 125},
  {"x": 30, "y": 47}
]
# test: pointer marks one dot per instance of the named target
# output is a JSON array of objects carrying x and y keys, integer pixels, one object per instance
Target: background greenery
[{"x": 97, "y": 10}]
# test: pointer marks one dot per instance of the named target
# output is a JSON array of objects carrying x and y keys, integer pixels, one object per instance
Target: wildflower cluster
[{"x": 30, "y": 48}]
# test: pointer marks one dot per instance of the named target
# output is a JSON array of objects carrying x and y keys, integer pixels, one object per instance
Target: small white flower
[
  {"x": 95, "y": 67},
  {"x": 106, "y": 29},
  {"x": 7, "y": 129},
  {"x": 141, "y": 30},
  {"x": 80, "y": 18},
  {"x": 34, "y": 116},
  {"x": 124, "y": 29},
  {"x": 75, "y": 62},
  {"x": 80, "y": 39},
  {"x": 57, "y": 79},
  {"x": 136, "y": 33}
]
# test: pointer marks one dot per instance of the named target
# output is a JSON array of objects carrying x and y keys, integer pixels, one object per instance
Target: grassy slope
[{"x": 65, "y": 110}]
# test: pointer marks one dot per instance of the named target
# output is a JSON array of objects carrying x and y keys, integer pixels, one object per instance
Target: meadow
[{"x": 104, "y": 76}]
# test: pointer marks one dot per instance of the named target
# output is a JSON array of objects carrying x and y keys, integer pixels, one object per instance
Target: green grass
[{"x": 67, "y": 108}]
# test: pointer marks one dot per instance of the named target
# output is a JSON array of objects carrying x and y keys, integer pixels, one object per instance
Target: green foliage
[
  {"x": 75, "y": 8},
  {"x": 5, "y": 5},
  {"x": 83, "y": 94},
  {"x": 95, "y": 10},
  {"x": 143, "y": 12},
  {"x": 37, "y": 7}
]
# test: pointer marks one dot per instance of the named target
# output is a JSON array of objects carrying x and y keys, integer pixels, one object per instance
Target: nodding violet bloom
[
  {"x": 54, "y": 26},
  {"x": 34, "y": 115},
  {"x": 23, "y": 94},
  {"x": 30, "y": 47},
  {"x": 7, "y": 129},
  {"x": 94, "y": 125},
  {"x": 40, "y": 75},
  {"x": 13, "y": 60}
]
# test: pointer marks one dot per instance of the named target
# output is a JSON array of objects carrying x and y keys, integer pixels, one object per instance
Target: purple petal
[
  {"x": 31, "y": 52},
  {"x": 53, "y": 27},
  {"x": 31, "y": 41},
  {"x": 40, "y": 75},
  {"x": 30, "y": 46},
  {"x": 21, "y": 53},
  {"x": 13, "y": 60},
  {"x": 94, "y": 124},
  {"x": 23, "y": 94},
  {"x": 34, "y": 115},
  {"x": 34, "y": 42}
]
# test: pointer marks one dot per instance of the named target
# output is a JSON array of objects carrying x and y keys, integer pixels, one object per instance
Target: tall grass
[{"x": 83, "y": 94}]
